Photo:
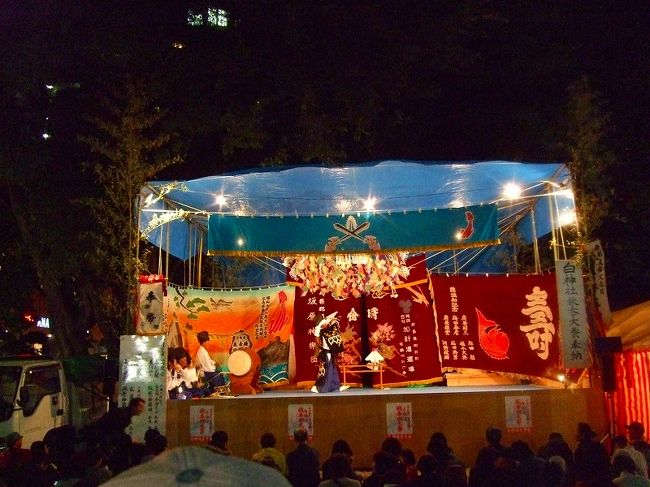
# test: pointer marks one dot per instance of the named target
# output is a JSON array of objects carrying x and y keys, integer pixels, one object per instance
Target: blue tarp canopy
[{"x": 174, "y": 214}]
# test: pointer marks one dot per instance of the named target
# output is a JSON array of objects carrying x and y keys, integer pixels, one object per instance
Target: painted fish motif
[{"x": 494, "y": 342}]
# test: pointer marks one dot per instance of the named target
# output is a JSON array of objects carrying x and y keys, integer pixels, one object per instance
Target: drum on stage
[{"x": 239, "y": 363}]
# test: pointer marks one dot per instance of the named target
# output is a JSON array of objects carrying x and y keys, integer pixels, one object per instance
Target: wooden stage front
[{"x": 359, "y": 416}]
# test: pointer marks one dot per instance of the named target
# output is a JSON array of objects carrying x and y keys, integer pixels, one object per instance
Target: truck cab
[{"x": 33, "y": 397}]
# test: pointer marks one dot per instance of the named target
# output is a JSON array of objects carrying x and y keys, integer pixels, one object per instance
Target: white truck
[{"x": 36, "y": 395}]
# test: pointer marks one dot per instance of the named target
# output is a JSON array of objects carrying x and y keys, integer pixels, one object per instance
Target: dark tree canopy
[{"x": 299, "y": 82}]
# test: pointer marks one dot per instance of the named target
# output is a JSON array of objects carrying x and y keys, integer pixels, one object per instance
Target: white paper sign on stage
[
  {"x": 573, "y": 315},
  {"x": 518, "y": 414},
  {"x": 143, "y": 362},
  {"x": 399, "y": 420},
  {"x": 201, "y": 423},
  {"x": 301, "y": 417}
]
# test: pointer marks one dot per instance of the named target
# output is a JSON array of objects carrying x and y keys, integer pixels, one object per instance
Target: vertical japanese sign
[
  {"x": 301, "y": 417},
  {"x": 149, "y": 316},
  {"x": 518, "y": 414},
  {"x": 399, "y": 420},
  {"x": 597, "y": 265},
  {"x": 143, "y": 362},
  {"x": 573, "y": 315},
  {"x": 201, "y": 422}
]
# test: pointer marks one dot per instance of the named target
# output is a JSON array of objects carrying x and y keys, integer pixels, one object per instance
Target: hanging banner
[
  {"x": 307, "y": 310},
  {"x": 518, "y": 414},
  {"x": 596, "y": 260},
  {"x": 399, "y": 420},
  {"x": 401, "y": 328},
  {"x": 149, "y": 315},
  {"x": 260, "y": 320},
  {"x": 471, "y": 226},
  {"x": 300, "y": 417},
  {"x": 573, "y": 315},
  {"x": 201, "y": 422},
  {"x": 143, "y": 365},
  {"x": 498, "y": 323}
]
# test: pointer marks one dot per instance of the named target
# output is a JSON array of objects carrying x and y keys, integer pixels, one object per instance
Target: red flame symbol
[{"x": 492, "y": 339}]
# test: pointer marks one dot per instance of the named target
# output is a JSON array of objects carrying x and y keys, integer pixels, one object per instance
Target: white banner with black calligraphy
[
  {"x": 596, "y": 259},
  {"x": 143, "y": 367},
  {"x": 149, "y": 317},
  {"x": 574, "y": 329}
]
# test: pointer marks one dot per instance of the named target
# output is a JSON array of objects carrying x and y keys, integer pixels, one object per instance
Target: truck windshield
[{"x": 9, "y": 378}]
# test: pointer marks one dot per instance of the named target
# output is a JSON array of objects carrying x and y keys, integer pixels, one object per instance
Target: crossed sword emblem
[{"x": 352, "y": 230}]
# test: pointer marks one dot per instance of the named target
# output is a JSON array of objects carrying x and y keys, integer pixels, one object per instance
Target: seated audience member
[
  {"x": 591, "y": 462},
  {"x": 385, "y": 466},
  {"x": 621, "y": 447},
  {"x": 339, "y": 446},
  {"x": 97, "y": 472},
  {"x": 448, "y": 464},
  {"x": 530, "y": 467},
  {"x": 303, "y": 462},
  {"x": 339, "y": 466},
  {"x": 270, "y": 452},
  {"x": 407, "y": 458},
  {"x": 485, "y": 459},
  {"x": 626, "y": 473},
  {"x": 154, "y": 443},
  {"x": 428, "y": 468},
  {"x": 555, "y": 472},
  {"x": 636, "y": 433},
  {"x": 17, "y": 457},
  {"x": 219, "y": 443},
  {"x": 556, "y": 446},
  {"x": 40, "y": 471}
]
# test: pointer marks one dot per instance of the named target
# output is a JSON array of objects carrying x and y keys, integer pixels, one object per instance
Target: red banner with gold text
[
  {"x": 402, "y": 329},
  {"x": 498, "y": 323}
]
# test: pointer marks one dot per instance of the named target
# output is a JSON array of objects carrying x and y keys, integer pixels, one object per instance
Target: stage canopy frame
[{"x": 533, "y": 199}]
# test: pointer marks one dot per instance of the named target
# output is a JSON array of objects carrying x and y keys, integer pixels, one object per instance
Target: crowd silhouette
[{"x": 103, "y": 451}]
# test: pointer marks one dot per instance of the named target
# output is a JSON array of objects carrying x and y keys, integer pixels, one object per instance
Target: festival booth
[
  {"x": 411, "y": 263},
  {"x": 631, "y": 366}
]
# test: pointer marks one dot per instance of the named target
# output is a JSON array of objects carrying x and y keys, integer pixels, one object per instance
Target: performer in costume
[{"x": 330, "y": 341}]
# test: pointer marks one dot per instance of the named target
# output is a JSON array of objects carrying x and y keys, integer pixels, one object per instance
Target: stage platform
[{"x": 358, "y": 415}]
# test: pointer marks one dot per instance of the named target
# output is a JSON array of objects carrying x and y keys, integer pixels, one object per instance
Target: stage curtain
[
  {"x": 401, "y": 327},
  {"x": 498, "y": 323},
  {"x": 265, "y": 316},
  {"x": 631, "y": 400},
  {"x": 307, "y": 309}
]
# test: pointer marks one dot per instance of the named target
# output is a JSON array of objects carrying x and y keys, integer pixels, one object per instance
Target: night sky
[{"x": 285, "y": 83}]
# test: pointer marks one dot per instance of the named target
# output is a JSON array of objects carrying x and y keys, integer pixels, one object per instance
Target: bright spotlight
[
  {"x": 512, "y": 191},
  {"x": 370, "y": 203},
  {"x": 221, "y": 200},
  {"x": 567, "y": 217},
  {"x": 240, "y": 242}
]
